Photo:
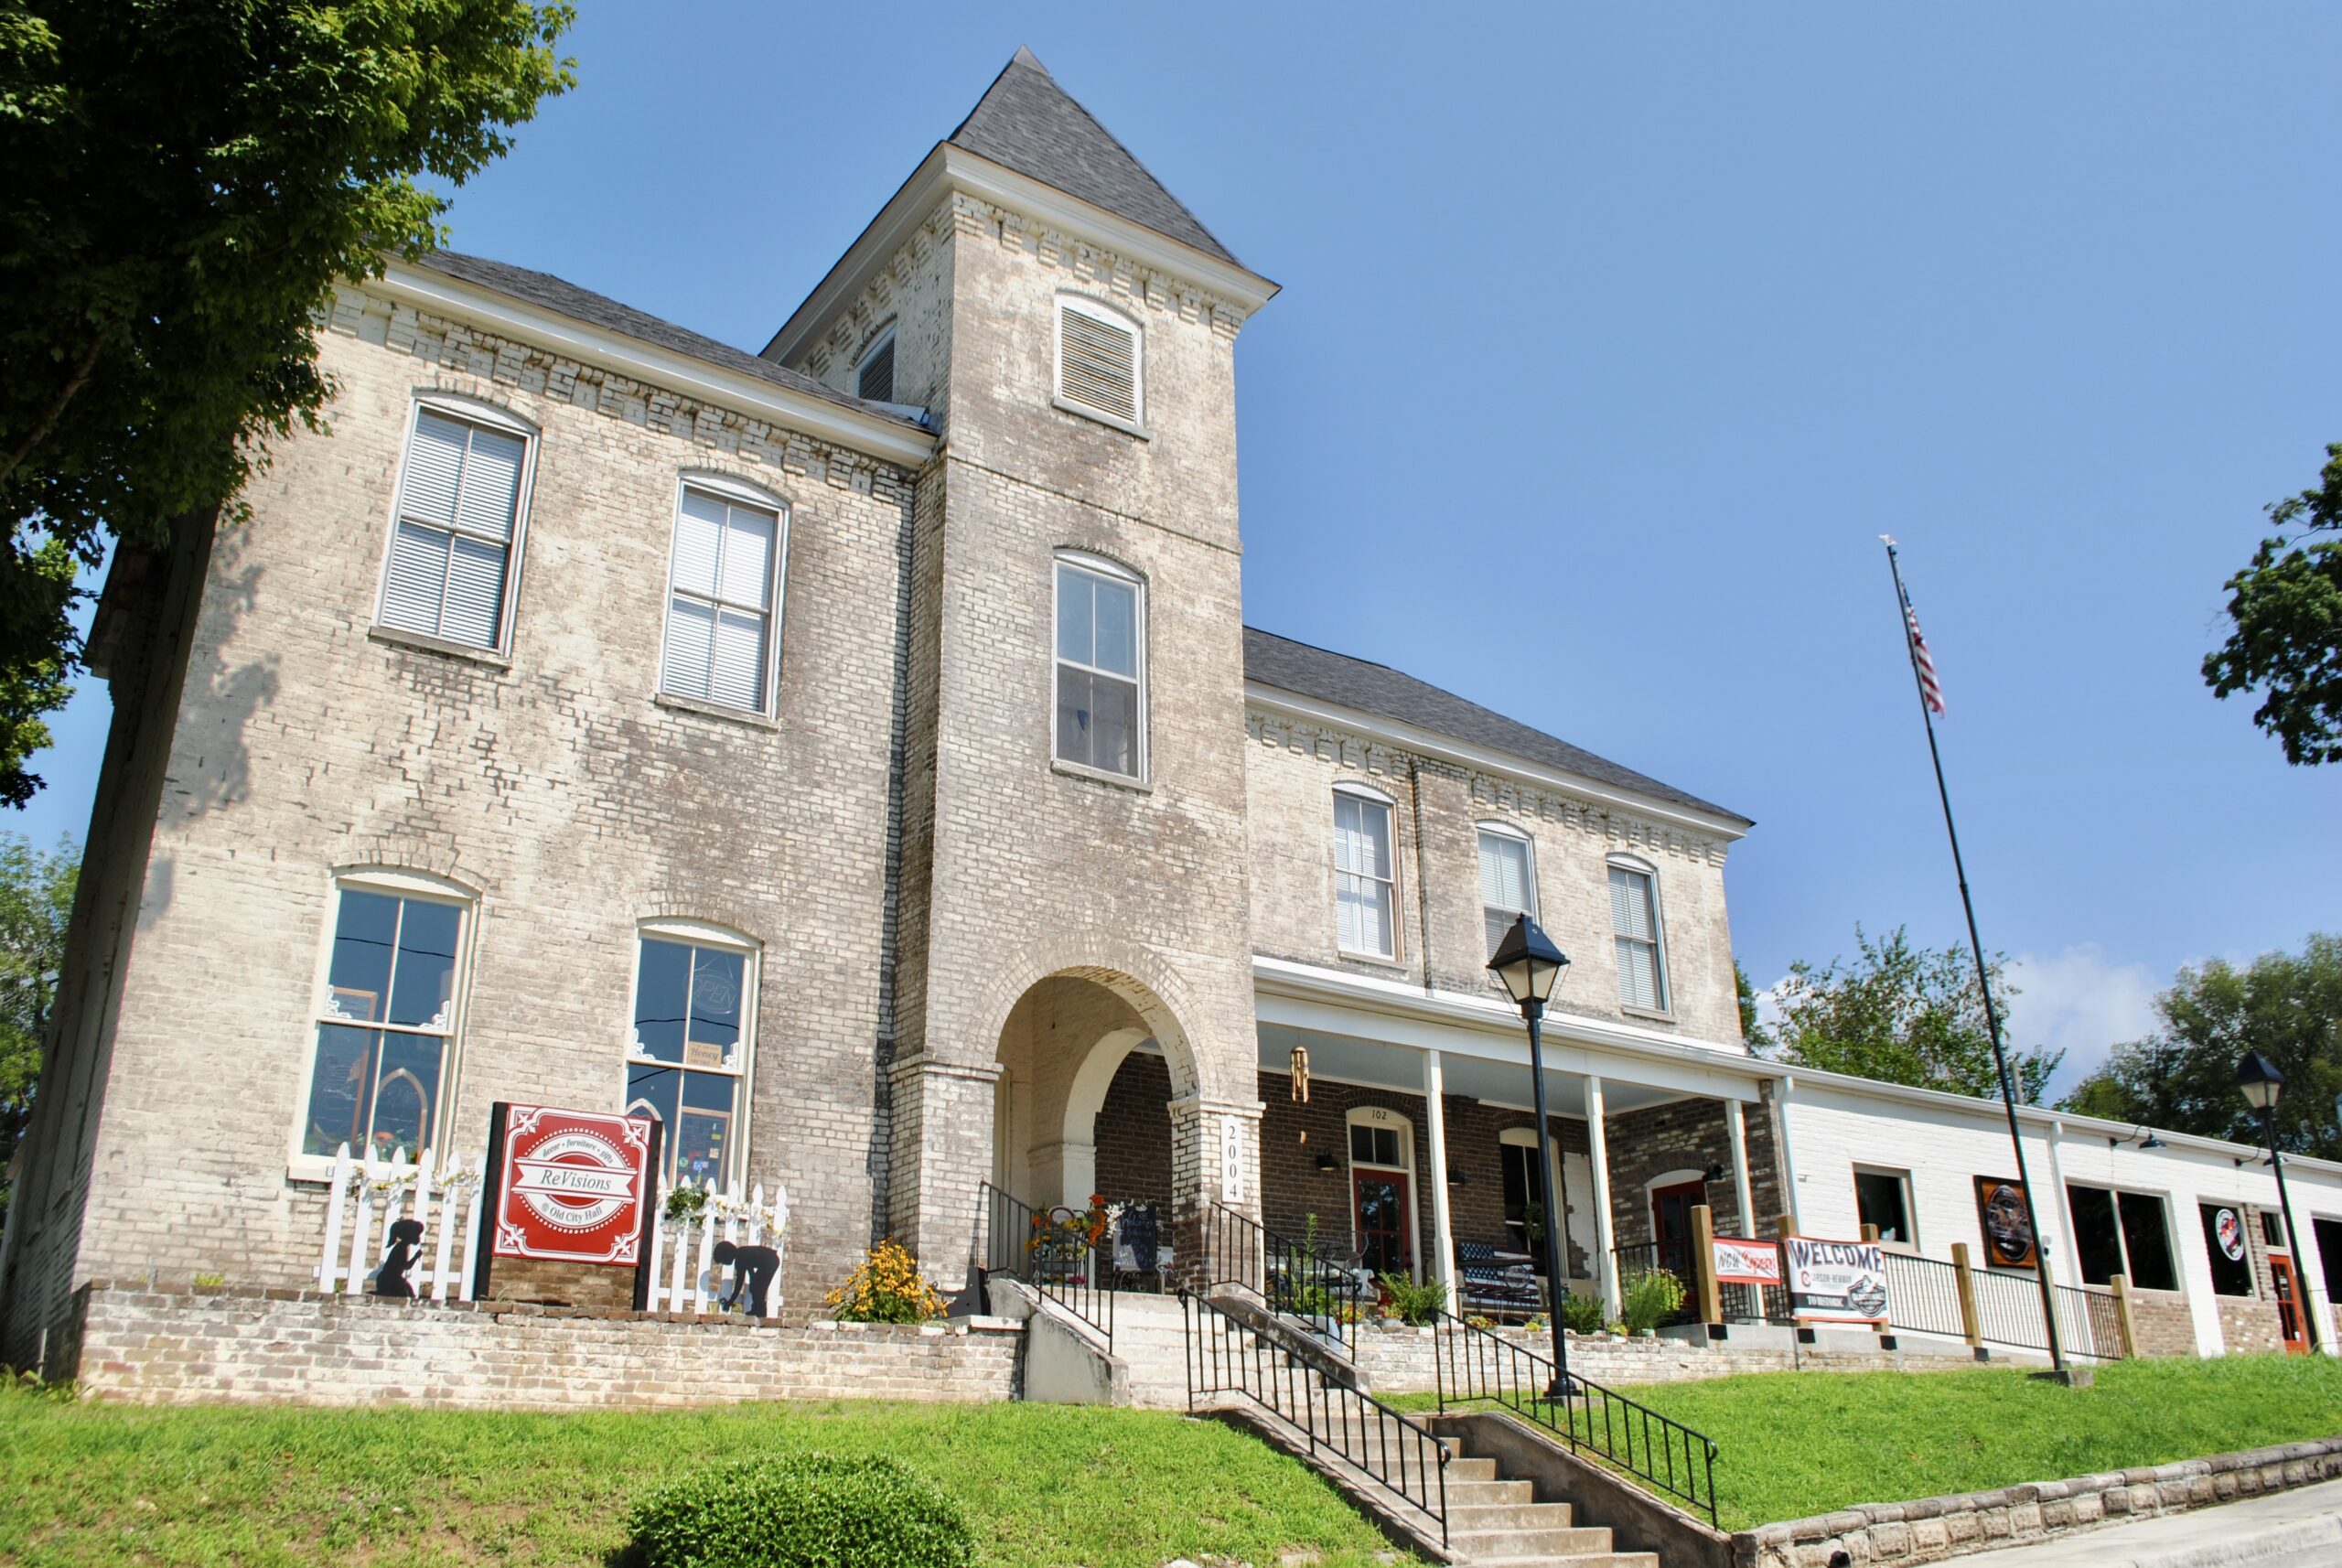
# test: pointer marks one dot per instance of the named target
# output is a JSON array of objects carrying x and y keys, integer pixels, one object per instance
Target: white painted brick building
[{"x": 854, "y": 756}]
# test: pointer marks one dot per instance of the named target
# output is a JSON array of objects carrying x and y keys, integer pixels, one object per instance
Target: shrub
[
  {"x": 1412, "y": 1304},
  {"x": 800, "y": 1510},
  {"x": 1647, "y": 1299},
  {"x": 885, "y": 1287},
  {"x": 1582, "y": 1314}
]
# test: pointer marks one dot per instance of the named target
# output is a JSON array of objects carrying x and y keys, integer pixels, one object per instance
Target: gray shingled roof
[
  {"x": 1030, "y": 124},
  {"x": 1336, "y": 678},
  {"x": 599, "y": 310}
]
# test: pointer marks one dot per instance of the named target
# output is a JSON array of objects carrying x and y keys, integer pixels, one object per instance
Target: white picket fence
[
  {"x": 368, "y": 1196},
  {"x": 683, "y": 1275}
]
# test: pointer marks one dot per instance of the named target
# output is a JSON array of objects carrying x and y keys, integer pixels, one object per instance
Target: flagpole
[{"x": 1984, "y": 973}]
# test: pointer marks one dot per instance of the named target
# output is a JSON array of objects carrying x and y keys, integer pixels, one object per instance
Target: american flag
[{"x": 1931, "y": 689}]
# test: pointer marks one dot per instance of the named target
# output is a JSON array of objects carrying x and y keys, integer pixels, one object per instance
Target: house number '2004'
[{"x": 1232, "y": 1161}]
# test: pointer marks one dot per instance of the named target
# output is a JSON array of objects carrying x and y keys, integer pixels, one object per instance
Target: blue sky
[{"x": 1612, "y": 337}]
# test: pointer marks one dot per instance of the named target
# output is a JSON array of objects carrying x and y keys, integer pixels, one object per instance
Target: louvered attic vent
[
  {"x": 875, "y": 378},
  {"x": 1098, "y": 364}
]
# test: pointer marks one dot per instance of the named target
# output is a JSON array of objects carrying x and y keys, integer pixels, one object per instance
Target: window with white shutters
[
  {"x": 1634, "y": 927},
  {"x": 1101, "y": 649},
  {"x": 873, "y": 378},
  {"x": 1508, "y": 886},
  {"x": 1098, "y": 361},
  {"x": 458, "y": 516},
  {"x": 722, "y": 584},
  {"x": 1364, "y": 893}
]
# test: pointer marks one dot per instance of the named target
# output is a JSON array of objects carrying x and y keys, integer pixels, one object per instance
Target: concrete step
[
  {"x": 1489, "y": 1494},
  {"x": 1471, "y": 1470},
  {"x": 1505, "y": 1516},
  {"x": 1477, "y": 1544},
  {"x": 1575, "y": 1560}
]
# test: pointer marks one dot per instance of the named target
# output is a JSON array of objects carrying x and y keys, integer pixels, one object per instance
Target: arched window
[
  {"x": 724, "y": 595},
  {"x": 1636, "y": 934},
  {"x": 1366, "y": 884},
  {"x": 1100, "y": 363},
  {"x": 1101, "y": 713},
  {"x": 462, "y": 502},
  {"x": 1508, "y": 879},
  {"x": 691, "y": 1043}
]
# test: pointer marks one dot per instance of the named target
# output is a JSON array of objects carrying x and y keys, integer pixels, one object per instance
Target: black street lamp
[
  {"x": 2260, "y": 1082},
  {"x": 1530, "y": 966}
]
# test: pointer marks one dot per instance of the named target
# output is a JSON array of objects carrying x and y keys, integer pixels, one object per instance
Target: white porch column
[
  {"x": 2065, "y": 1264},
  {"x": 1605, "y": 1263},
  {"x": 1442, "y": 1245},
  {"x": 1788, "y": 1152},
  {"x": 1737, "y": 1129}
]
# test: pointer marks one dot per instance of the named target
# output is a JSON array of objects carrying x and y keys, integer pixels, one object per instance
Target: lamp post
[
  {"x": 1530, "y": 966},
  {"x": 2260, "y": 1082}
]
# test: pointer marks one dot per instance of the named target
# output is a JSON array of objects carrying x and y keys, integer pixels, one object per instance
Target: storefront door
[
  {"x": 1670, "y": 1225},
  {"x": 2289, "y": 1316},
  {"x": 1382, "y": 1219}
]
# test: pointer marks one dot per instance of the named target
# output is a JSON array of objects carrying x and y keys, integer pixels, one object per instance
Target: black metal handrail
[
  {"x": 1646, "y": 1257},
  {"x": 1060, "y": 1262},
  {"x": 1399, "y": 1453},
  {"x": 1473, "y": 1364},
  {"x": 1296, "y": 1279}
]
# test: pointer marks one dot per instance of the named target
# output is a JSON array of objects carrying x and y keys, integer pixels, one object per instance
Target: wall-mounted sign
[
  {"x": 568, "y": 1185},
  {"x": 1836, "y": 1281},
  {"x": 2008, "y": 1223},
  {"x": 1232, "y": 1160},
  {"x": 1740, "y": 1262},
  {"x": 2229, "y": 1226}
]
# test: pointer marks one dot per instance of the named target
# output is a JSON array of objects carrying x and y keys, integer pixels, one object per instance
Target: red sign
[
  {"x": 1739, "y": 1261},
  {"x": 572, "y": 1185}
]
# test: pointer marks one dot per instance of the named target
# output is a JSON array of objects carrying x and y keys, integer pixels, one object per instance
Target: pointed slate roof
[
  {"x": 1369, "y": 688},
  {"x": 1028, "y": 122}
]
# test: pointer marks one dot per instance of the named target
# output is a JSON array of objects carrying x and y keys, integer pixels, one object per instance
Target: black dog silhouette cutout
[{"x": 406, "y": 1237}]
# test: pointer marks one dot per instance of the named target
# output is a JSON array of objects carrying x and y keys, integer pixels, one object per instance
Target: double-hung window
[
  {"x": 723, "y": 586},
  {"x": 1633, "y": 932},
  {"x": 459, "y": 511},
  {"x": 1099, "y": 362},
  {"x": 1507, "y": 881},
  {"x": 695, "y": 1022},
  {"x": 386, "y": 1023},
  {"x": 1101, "y": 660},
  {"x": 1365, "y": 891}
]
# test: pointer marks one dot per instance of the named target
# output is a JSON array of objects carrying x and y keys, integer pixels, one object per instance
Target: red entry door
[
  {"x": 1670, "y": 1225},
  {"x": 2289, "y": 1313},
  {"x": 1382, "y": 1219}
]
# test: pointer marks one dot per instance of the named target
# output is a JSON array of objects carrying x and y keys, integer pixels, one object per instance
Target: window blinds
[
  {"x": 1362, "y": 875},
  {"x": 459, "y": 497},
  {"x": 719, "y": 614},
  {"x": 1504, "y": 883},
  {"x": 1098, "y": 364},
  {"x": 1634, "y": 933}
]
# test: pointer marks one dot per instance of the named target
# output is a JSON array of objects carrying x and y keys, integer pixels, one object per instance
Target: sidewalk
[{"x": 2300, "y": 1529}]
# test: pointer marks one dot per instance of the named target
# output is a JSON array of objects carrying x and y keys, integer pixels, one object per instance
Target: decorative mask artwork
[{"x": 2006, "y": 1222}]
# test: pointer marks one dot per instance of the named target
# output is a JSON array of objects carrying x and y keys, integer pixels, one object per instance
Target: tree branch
[{"x": 56, "y": 410}]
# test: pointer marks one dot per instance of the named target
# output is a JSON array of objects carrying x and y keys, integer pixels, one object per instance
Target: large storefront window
[
  {"x": 386, "y": 1026},
  {"x": 2224, "y": 1244},
  {"x": 2122, "y": 1233},
  {"x": 694, "y": 1019}
]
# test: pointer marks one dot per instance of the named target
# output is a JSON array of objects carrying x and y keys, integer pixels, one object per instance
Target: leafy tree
[
  {"x": 2287, "y": 1007},
  {"x": 1902, "y": 1014},
  {"x": 36, "y": 901},
  {"x": 1752, "y": 1033},
  {"x": 2286, "y": 612},
  {"x": 184, "y": 181}
]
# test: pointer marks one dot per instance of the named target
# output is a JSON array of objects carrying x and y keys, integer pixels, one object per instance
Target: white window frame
[
  {"x": 1526, "y": 1138},
  {"x": 1372, "y": 797},
  {"x": 705, "y": 934},
  {"x": 1666, "y": 1008},
  {"x": 1492, "y": 828},
  {"x": 884, "y": 337},
  {"x": 2117, "y": 1191},
  {"x": 470, "y": 411},
  {"x": 391, "y": 882},
  {"x": 1909, "y": 1243},
  {"x": 1383, "y": 1116},
  {"x": 1142, "y": 754},
  {"x": 725, "y": 487},
  {"x": 1108, "y": 315}
]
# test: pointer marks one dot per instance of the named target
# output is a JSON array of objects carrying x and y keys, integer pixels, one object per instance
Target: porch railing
[
  {"x": 1475, "y": 1365},
  {"x": 1648, "y": 1257},
  {"x": 365, "y": 1197},
  {"x": 1047, "y": 1252},
  {"x": 1324, "y": 1295},
  {"x": 1396, "y": 1452},
  {"x": 1923, "y": 1296},
  {"x": 2008, "y": 1312}
]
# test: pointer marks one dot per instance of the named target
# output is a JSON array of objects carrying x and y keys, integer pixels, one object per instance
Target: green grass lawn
[
  {"x": 1798, "y": 1444},
  {"x": 1043, "y": 1485}
]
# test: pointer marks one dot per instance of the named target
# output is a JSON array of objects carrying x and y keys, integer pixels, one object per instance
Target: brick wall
[
  {"x": 166, "y": 1349},
  {"x": 2163, "y": 1321},
  {"x": 1682, "y": 1135},
  {"x": 1134, "y": 1132}
]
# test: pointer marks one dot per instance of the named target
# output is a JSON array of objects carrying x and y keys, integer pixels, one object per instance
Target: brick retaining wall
[
  {"x": 161, "y": 1348},
  {"x": 1404, "y": 1360}
]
